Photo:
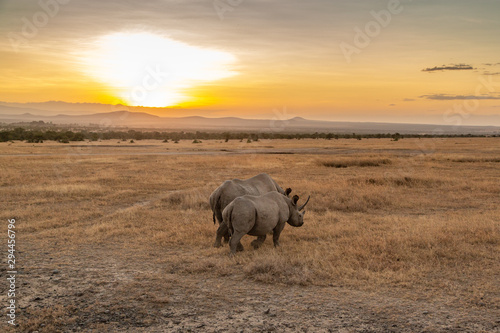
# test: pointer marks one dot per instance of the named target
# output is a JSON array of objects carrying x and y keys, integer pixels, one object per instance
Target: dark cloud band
[
  {"x": 444, "y": 97},
  {"x": 459, "y": 67}
]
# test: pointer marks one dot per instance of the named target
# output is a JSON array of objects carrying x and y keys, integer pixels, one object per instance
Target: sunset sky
[{"x": 422, "y": 61}]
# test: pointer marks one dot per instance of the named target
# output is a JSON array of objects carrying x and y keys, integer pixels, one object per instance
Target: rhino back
[
  {"x": 260, "y": 184},
  {"x": 232, "y": 189}
]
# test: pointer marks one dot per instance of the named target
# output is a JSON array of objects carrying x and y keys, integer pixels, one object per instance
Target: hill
[{"x": 128, "y": 119}]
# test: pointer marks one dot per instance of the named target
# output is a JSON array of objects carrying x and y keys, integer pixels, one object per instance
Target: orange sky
[{"x": 308, "y": 58}]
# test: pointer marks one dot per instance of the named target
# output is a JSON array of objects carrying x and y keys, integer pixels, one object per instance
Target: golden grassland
[{"x": 420, "y": 216}]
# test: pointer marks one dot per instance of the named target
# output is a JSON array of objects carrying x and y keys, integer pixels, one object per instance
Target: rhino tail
[
  {"x": 228, "y": 219},
  {"x": 216, "y": 208}
]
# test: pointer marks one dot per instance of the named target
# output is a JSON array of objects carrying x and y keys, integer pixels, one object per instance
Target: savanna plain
[{"x": 399, "y": 236}]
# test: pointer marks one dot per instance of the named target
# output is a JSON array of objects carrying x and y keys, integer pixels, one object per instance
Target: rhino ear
[
  {"x": 288, "y": 191},
  {"x": 295, "y": 199}
]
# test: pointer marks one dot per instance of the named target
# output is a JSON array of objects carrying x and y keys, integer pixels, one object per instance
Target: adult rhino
[
  {"x": 259, "y": 215},
  {"x": 231, "y": 189}
]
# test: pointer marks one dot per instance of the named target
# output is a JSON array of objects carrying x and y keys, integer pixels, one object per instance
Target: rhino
[
  {"x": 260, "y": 215},
  {"x": 231, "y": 189}
]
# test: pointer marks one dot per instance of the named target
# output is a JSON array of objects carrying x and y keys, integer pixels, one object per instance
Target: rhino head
[{"x": 296, "y": 218}]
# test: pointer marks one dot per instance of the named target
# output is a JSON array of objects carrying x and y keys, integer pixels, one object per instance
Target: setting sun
[
  {"x": 144, "y": 69},
  {"x": 388, "y": 61}
]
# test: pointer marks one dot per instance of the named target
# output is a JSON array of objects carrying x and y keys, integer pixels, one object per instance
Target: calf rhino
[
  {"x": 231, "y": 189},
  {"x": 259, "y": 215}
]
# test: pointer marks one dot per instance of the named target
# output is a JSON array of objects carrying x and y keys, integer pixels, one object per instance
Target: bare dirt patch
[{"x": 112, "y": 288}]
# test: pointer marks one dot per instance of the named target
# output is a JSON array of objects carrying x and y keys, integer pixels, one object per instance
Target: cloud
[
  {"x": 489, "y": 73},
  {"x": 392, "y": 104},
  {"x": 250, "y": 30},
  {"x": 445, "y": 97},
  {"x": 459, "y": 67},
  {"x": 408, "y": 100}
]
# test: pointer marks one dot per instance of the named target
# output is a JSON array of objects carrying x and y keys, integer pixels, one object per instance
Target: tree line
[{"x": 65, "y": 136}]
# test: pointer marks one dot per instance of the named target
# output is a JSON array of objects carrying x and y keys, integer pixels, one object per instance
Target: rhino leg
[
  {"x": 276, "y": 234},
  {"x": 256, "y": 243},
  {"x": 234, "y": 242},
  {"x": 222, "y": 231},
  {"x": 218, "y": 242}
]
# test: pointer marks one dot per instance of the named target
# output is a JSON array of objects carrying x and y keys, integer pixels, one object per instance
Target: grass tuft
[
  {"x": 477, "y": 160},
  {"x": 353, "y": 162}
]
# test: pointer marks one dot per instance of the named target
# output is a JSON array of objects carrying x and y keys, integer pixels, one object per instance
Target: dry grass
[
  {"x": 477, "y": 160},
  {"x": 420, "y": 223},
  {"x": 49, "y": 319},
  {"x": 349, "y": 162}
]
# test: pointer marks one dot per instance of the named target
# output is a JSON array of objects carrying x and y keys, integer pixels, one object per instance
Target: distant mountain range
[
  {"x": 52, "y": 108},
  {"x": 128, "y": 119}
]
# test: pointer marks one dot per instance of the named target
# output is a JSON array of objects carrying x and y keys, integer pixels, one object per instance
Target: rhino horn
[{"x": 302, "y": 207}]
